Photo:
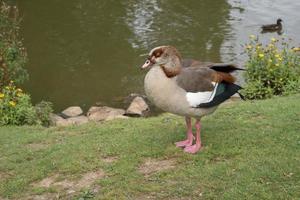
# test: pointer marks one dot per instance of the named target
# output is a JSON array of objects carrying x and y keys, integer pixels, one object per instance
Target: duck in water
[{"x": 273, "y": 27}]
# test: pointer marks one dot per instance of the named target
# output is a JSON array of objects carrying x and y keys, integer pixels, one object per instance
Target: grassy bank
[{"x": 252, "y": 151}]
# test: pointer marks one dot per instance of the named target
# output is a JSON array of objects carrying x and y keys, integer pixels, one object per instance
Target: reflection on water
[
  {"x": 140, "y": 18},
  {"x": 82, "y": 52}
]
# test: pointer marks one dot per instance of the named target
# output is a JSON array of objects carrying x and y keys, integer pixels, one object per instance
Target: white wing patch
[{"x": 197, "y": 98}]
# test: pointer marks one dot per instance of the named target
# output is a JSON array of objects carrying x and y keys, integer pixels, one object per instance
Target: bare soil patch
[
  {"x": 37, "y": 146},
  {"x": 4, "y": 175},
  {"x": 46, "y": 196},
  {"x": 151, "y": 166},
  {"x": 68, "y": 186},
  {"x": 89, "y": 178},
  {"x": 46, "y": 182},
  {"x": 110, "y": 159}
]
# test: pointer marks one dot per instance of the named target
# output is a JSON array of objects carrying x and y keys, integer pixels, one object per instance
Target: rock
[
  {"x": 127, "y": 100},
  {"x": 78, "y": 120},
  {"x": 235, "y": 97},
  {"x": 117, "y": 117},
  {"x": 56, "y": 120},
  {"x": 72, "y": 111},
  {"x": 138, "y": 107},
  {"x": 97, "y": 113}
]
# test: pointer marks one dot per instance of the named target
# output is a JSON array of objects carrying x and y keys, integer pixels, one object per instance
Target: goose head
[{"x": 166, "y": 57}]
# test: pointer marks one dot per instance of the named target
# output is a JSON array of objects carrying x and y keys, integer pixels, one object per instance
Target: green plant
[
  {"x": 86, "y": 195},
  {"x": 43, "y": 111},
  {"x": 12, "y": 53},
  {"x": 272, "y": 69},
  {"x": 16, "y": 107}
]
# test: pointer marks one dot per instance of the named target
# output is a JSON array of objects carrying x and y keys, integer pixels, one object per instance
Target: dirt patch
[
  {"x": 257, "y": 117},
  {"x": 46, "y": 196},
  {"x": 46, "y": 182},
  {"x": 4, "y": 175},
  {"x": 37, "y": 146},
  {"x": 110, "y": 159},
  {"x": 151, "y": 166},
  {"x": 65, "y": 184},
  {"x": 89, "y": 178},
  {"x": 68, "y": 186},
  {"x": 144, "y": 197}
]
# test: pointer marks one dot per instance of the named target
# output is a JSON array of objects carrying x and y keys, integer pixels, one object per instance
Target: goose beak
[{"x": 148, "y": 64}]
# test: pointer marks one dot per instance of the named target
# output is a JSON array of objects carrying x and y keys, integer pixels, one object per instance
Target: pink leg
[
  {"x": 189, "y": 134},
  {"x": 196, "y": 147}
]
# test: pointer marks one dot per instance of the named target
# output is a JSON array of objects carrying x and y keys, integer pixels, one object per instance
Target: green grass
[{"x": 252, "y": 151}]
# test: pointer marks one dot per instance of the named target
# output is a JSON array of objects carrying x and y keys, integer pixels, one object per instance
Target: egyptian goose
[
  {"x": 272, "y": 27},
  {"x": 187, "y": 88}
]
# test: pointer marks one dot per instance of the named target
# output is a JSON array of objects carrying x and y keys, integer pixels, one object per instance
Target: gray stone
[
  {"x": 103, "y": 113},
  {"x": 235, "y": 97},
  {"x": 127, "y": 100},
  {"x": 72, "y": 111},
  {"x": 78, "y": 120},
  {"x": 138, "y": 107},
  {"x": 56, "y": 120},
  {"x": 117, "y": 117}
]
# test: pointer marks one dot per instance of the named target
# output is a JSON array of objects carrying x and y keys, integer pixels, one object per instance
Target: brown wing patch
[
  {"x": 196, "y": 79},
  {"x": 189, "y": 62},
  {"x": 171, "y": 72},
  {"x": 222, "y": 76}
]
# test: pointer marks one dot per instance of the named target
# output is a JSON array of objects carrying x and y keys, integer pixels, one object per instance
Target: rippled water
[{"x": 82, "y": 52}]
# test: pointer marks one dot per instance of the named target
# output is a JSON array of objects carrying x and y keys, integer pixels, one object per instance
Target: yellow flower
[
  {"x": 280, "y": 59},
  {"x": 261, "y": 55},
  {"x": 1, "y": 95},
  {"x": 252, "y": 36},
  {"x": 276, "y": 64},
  {"x": 270, "y": 60},
  {"x": 273, "y": 39},
  {"x": 277, "y": 55},
  {"x": 12, "y": 103},
  {"x": 19, "y": 94},
  {"x": 248, "y": 47},
  {"x": 19, "y": 90},
  {"x": 296, "y": 49},
  {"x": 7, "y": 87}
]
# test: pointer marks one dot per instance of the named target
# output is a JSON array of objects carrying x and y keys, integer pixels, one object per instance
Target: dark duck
[{"x": 273, "y": 27}]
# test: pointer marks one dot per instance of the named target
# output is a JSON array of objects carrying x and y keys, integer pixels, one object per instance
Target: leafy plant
[
  {"x": 12, "y": 53},
  {"x": 16, "y": 107},
  {"x": 86, "y": 195},
  {"x": 43, "y": 111},
  {"x": 272, "y": 69}
]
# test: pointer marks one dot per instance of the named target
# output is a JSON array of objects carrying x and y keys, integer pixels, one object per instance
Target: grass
[{"x": 252, "y": 151}]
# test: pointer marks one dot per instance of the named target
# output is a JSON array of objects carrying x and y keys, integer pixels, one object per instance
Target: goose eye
[{"x": 148, "y": 62}]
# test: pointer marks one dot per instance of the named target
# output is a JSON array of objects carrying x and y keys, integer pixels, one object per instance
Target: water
[{"x": 82, "y": 52}]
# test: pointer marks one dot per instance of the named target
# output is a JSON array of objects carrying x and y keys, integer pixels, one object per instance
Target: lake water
[{"x": 82, "y": 52}]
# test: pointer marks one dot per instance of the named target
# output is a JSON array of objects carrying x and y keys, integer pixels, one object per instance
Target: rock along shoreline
[
  {"x": 74, "y": 115},
  {"x": 138, "y": 107}
]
